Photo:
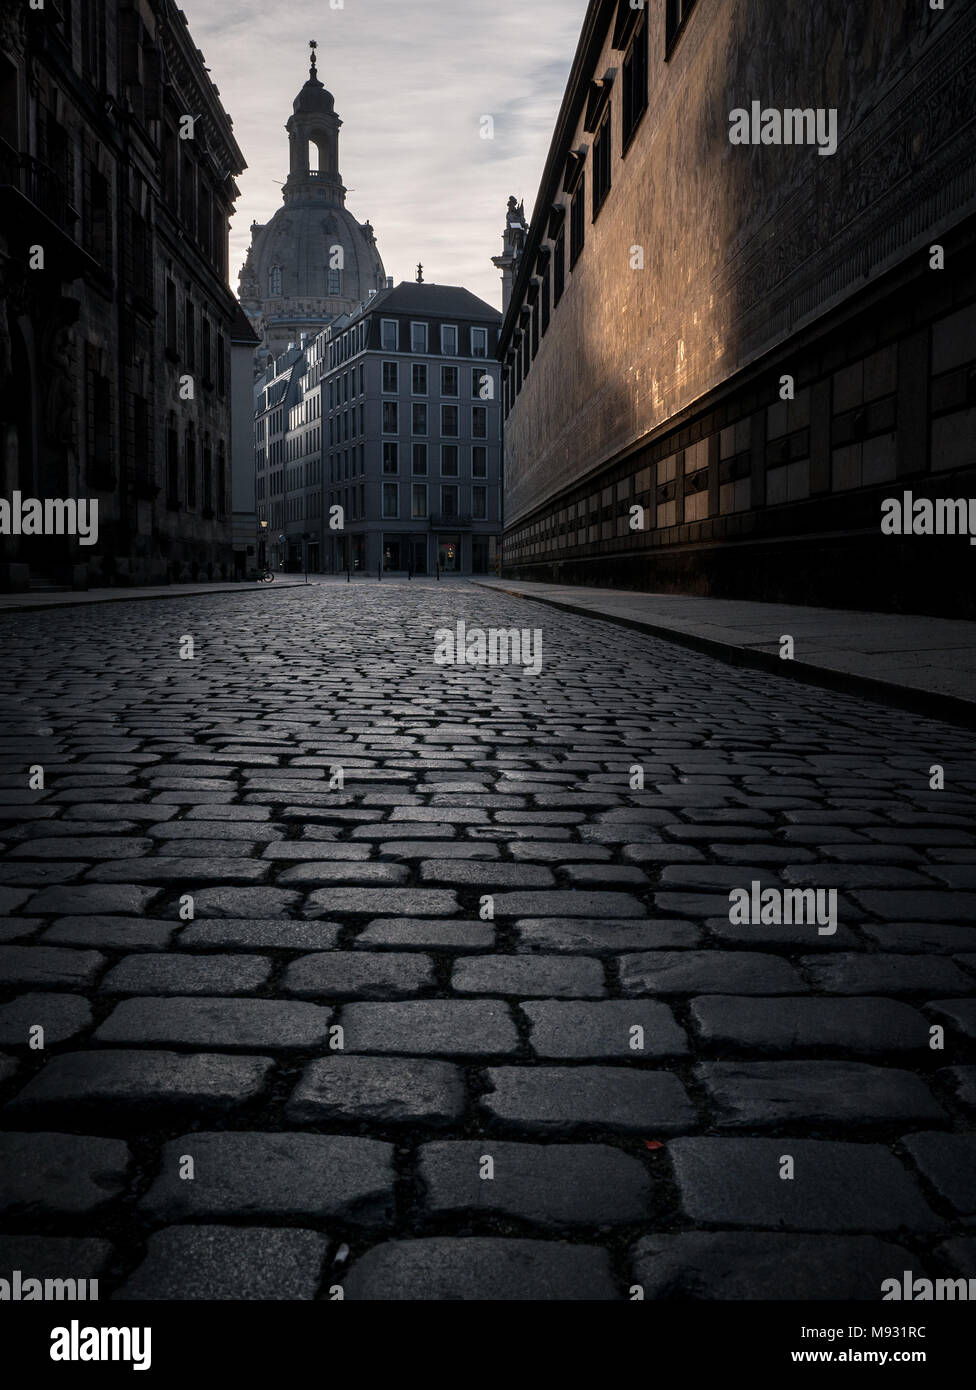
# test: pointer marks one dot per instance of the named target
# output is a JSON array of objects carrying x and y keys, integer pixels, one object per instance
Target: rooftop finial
[
  {"x": 313, "y": 45},
  {"x": 420, "y": 273}
]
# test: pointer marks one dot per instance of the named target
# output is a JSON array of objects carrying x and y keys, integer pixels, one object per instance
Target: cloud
[{"x": 412, "y": 80}]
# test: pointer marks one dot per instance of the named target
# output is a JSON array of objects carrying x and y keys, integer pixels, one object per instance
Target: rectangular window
[
  {"x": 535, "y": 328},
  {"x": 390, "y": 417},
  {"x": 391, "y": 499},
  {"x": 635, "y": 82},
  {"x": 449, "y": 340},
  {"x": 577, "y": 222},
  {"x": 678, "y": 12},
  {"x": 449, "y": 503},
  {"x": 449, "y": 460},
  {"x": 479, "y": 342},
  {"x": 601, "y": 163},
  {"x": 418, "y": 506},
  {"x": 419, "y": 383},
  {"x": 391, "y": 377},
  {"x": 335, "y": 282},
  {"x": 449, "y": 421},
  {"x": 479, "y": 503},
  {"x": 172, "y": 342},
  {"x": 420, "y": 460},
  {"x": 479, "y": 461},
  {"x": 449, "y": 381},
  {"x": 221, "y": 359},
  {"x": 479, "y": 422},
  {"x": 191, "y": 336},
  {"x": 418, "y": 424},
  {"x": 418, "y": 337},
  {"x": 388, "y": 335},
  {"x": 558, "y": 268},
  {"x": 544, "y": 299},
  {"x": 391, "y": 458}
]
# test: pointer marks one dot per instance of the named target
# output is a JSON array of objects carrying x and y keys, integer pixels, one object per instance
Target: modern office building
[
  {"x": 744, "y": 314},
  {"x": 379, "y": 440},
  {"x": 117, "y": 182}
]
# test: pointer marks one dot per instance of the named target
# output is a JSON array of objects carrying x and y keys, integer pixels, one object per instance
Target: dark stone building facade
[
  {"x": 118, "y": 161},
  {"x": 720, "y": 357}
]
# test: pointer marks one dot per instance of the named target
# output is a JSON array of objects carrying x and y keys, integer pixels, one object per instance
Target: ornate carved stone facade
[
  {"x": 118, "y": 166},
  {"x": 704, "y": 272}
]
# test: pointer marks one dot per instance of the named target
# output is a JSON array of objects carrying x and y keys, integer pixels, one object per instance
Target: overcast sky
[{"x": 412, "y": 80}]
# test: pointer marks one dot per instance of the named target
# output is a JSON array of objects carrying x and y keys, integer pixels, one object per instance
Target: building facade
[
  {"x": 117, "y": 182},
  {"x": 313, "y": 261},
  {"x": 744, "y": 314},
  {"x": 378, "y": 441}
]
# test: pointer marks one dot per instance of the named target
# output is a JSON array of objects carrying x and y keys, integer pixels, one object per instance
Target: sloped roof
[{"x": 439, "y": 301}]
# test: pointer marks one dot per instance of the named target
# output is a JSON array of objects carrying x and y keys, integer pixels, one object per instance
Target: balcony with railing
[{"x": 39, "y": 185}]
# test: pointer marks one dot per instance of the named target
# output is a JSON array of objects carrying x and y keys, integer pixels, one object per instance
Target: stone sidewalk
[
  {"x": 473, "y": 1020},
  {"x": 917, "y": 662}
]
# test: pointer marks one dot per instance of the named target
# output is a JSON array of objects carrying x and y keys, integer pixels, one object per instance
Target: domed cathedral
[{"x": 313, "y": 261}]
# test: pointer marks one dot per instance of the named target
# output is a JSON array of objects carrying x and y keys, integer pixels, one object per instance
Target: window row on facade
[{"x": 714, "y": 477}]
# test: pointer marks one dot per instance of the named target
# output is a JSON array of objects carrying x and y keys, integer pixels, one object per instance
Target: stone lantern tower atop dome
[{"x": 312, "y": 261}]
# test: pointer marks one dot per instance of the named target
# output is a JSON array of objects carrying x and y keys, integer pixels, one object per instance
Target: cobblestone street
[{"x": 475, "y": 1023}]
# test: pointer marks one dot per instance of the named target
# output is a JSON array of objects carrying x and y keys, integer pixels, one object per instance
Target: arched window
[{"x": 274, "y": 280}]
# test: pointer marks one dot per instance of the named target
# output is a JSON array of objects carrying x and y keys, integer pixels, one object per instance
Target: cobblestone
[
  {"x": 486, "y": 944},
  {"x": 484, "y": 1269},
  {"x": 309, "y": 1176},
  {"x": 143, "y": 1080},
  {"x": 227, "y": 1263},
  {"x": 550, "y": 1185}
]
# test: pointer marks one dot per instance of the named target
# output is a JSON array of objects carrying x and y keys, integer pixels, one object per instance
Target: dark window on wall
[
  {"x": 221, "y": 479},
  {"x": 205, "y": 351},
  {"x": 577, "y": 222},
  {"x": 93, "y": 47},
  {"x": 221, "y": 365},
  {"x": 535, "y": 328},
  {"x": 207, "y": 478},
  {"x": 544, "y": 299},
  {"x": 678, "y": 12},
  {"x": 635, "y": 81},
  {"x": 97, "y": 219},
  {"x": 601, "y": 163},
  {"x": 558, "y": 268},
  {"x": 142, "y": 440},
  {"x": 335, "y": 282},
  {"x": 172, "y": 466},
  {"x": 172, "y": 341},
  {"x": 391, "y": 377},
  {"x": 188, "y": 191},
  {"x": 191, "y": 468},
  {"x": 191, "y": 336},
  {"x": 418, "y": 379}
]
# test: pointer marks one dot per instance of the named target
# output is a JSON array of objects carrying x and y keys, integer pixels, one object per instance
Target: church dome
[
  {"x": 312, "y": 98},
  {"x": 313, "y": 260},
  {"x": 314, "y": 249}
]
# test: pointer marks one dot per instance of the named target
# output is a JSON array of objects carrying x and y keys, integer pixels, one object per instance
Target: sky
[{"x": 412, "y": 81}]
